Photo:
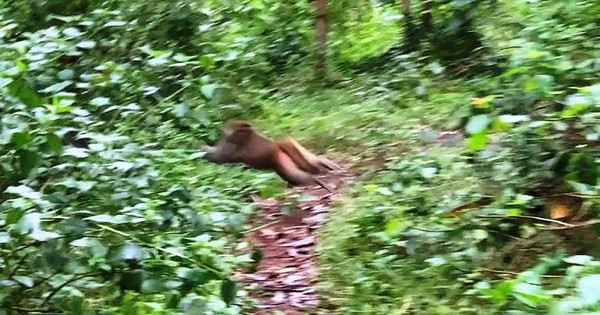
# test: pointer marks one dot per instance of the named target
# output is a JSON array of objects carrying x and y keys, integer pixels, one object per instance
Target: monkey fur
[{"x": 241, "y": 143}]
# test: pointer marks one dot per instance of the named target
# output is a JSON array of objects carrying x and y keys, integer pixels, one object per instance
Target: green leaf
[
  {"x": 529, "y": 294},
  {"x": 477, "y": 142},
  {"x": 228, "y": 291},
  {"x": 194, "y": 276},
  {"x": 28, "y": 160},
  {"x": 22, "y": 91},
  {"x": 20, "y": 139},
  {"x": 394, "y": 227},
  {"x": 54, "y": 143},
  {"x": 477, "y": 124},
  {"x": 206, "y": 61}
]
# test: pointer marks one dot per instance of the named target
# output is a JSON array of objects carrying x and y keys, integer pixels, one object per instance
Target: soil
[{"x": 285, "y": 279}]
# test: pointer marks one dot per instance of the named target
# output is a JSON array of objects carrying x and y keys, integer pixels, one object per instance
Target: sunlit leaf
[
  {"x": 106, "y": 218},
  {"x": 428, "y": 172},
  {"x": 72, "y": 32},
  {"x": 100, "y": 101},
  {"x": 86, "y": 44},
  {"x": 208, "y": 90},
  {"x": 76, "y": 152},
  {"x": 131, "y": 251},
  {"x": 436, "y": 261},
  {"x": 477, "y": 124},
  {"x": 24, "y": 191},
  {"x": 588, "y": 288},
  {"x": 579, "y": 259},
  {"x": 26, "y": 281},
  {"x": 394, "y": 227},
  {"x": 43, "y": 236}
]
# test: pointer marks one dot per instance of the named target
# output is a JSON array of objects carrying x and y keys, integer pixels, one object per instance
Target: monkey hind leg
[{"x": 305, "y": 159}]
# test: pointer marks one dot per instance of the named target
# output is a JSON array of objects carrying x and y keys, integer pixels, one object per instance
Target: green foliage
[{"x": 106, "y": 207}]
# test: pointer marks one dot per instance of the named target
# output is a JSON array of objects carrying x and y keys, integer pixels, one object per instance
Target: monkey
[{"x": 241, "y": 143}]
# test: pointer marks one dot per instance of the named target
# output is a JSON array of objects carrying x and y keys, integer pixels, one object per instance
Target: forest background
[{"x": 107, "y": 206}]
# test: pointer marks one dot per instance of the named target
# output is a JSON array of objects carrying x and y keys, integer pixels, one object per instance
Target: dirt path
[{"x": 285, "y": 279}]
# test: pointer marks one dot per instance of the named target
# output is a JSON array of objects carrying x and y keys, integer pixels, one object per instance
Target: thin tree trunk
[
  {"x": 426, "y": 18},
  {"x": 410, "y": 33},
  {"x": 321, "y": 28}
]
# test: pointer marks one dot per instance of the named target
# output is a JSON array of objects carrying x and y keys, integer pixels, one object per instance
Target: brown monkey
[{"x": 241, "y": 143}]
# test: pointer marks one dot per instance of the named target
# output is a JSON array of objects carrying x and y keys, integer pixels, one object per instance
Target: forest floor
[{"x": 285, "y": 279}]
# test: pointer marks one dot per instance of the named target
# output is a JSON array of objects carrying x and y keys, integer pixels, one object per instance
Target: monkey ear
[{"x": 240, "y": 133}]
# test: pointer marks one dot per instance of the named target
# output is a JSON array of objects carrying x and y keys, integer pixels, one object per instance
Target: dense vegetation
[{"x": 107, "y": 207}]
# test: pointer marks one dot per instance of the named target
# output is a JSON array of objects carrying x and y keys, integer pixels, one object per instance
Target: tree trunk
[
  {"x": 410, "y": 32},
  {"x": 426, "y": 18},
  {"x": 321, "y": 28}
]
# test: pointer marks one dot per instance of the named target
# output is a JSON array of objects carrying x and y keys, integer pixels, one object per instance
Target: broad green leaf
[
  {"x": 477, "y": 142},
  {"x": 28, "y": 160},
  {"x": 529, "y": 294},
  {"x": 54, "y": 143},
  {"x": 22, "y": 91},
  {"x": 228, "y": 291},
  {"x": 20, "y": 139},
  {"x": 206, "y": 61},
  {"x": 394, "y": 227}
]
